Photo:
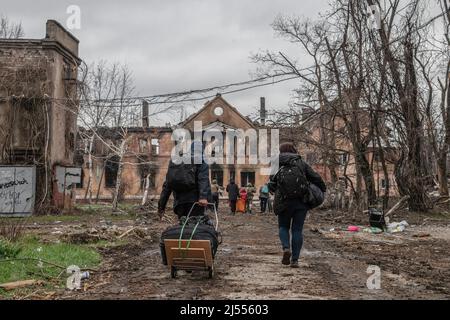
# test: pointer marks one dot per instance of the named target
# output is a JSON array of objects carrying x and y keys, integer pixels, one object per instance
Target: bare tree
[
  {"x": 9, "y": 30},
  {"x": 369, "y": 84},
  {"x": 105, "y": 102}
]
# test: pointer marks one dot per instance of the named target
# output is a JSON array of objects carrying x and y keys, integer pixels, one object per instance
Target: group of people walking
[
  {"x": 245, "y": 197},
  {"x": 295, "y": 188}
]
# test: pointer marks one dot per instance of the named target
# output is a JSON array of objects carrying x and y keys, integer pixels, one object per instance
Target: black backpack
[
  {"x": 182, "y": 177},
  {"x": 292, "y": 182}
]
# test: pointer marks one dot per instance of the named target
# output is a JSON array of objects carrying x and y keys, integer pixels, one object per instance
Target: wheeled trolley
[{"x": 190, "y": 254}]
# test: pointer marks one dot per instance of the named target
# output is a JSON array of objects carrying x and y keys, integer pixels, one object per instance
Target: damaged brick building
[
  {"x": 38, "y": 105},
  {"x": 149, "y": 151}
]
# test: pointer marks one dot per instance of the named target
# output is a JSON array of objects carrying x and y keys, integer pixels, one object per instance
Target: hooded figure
[{"x": 199, "y": 191}]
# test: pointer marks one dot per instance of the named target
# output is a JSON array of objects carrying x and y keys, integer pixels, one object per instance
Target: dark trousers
[
  {"x": 215, "y": 198},
  {"x": 269, "y": 205},
  {"x": 248, "y": 205},
  {"x": 183, "y": 210},
  {"x": 263, "y": 204},
  {"x": 233, "y": 205},
  {"x": 290, "y": 224}
]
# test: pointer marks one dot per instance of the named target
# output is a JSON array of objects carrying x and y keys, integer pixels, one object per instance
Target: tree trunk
[
  {"x": 442, "y": 174},
  {"x": 147, "y": 187},
  {"x": 91, "y": 174},
  {"x": 119, "y": 175},
  {"x": 100, "y": 182}
]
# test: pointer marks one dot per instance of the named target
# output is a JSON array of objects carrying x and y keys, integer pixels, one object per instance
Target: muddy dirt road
[{"x": 333, "y": 265}]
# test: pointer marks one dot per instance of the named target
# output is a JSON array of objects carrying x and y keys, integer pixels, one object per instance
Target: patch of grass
[
  {"x": 8, "y": 249},
  {"x": 61, "y": 254}
]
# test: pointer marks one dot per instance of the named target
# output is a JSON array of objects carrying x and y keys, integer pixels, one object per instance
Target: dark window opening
[
  {"x": 111, "y": 170},
  {"x": 218, "y": 176},
  {"x": 155, "y": 147},
  {"x": 343, "y": 158},
  {"x": 343, "y": 181},
  {"x": 80, "y": 184},
  {"x": 247, "y": 177},
  {"x": 233, "y": 176},
  {"x": 144, "y": 171},
  {"x": 143, "y": 145}
]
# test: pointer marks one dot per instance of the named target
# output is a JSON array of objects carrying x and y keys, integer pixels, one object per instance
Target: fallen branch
[
  {"x": 20, "y": 284},
  {"x": 396, "y": 206},
  {"x": 125, "y": 233}
]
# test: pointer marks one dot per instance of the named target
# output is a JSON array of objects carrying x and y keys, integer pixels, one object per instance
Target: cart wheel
[
  {"x": 173, "y": 272},
  {"x": 210, "y": 272}
]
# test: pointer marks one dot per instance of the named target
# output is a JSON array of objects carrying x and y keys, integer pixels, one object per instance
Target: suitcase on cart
[{"x": 191, "y": 245}]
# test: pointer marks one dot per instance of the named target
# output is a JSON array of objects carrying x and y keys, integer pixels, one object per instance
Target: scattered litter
[
  {"x": 374, "y": 230},
  {"x": 421, "y": 235},
  {"x": 353, "y": 228},
  {"x": 395, "y": 227}
]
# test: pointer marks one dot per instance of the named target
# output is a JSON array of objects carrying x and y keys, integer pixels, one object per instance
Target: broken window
[
  {"x": 155, "y": 147},
  {"x": 233, "y": 175},
  {"x": 143, "y": 145},
  {"x": 144, "y": 171},
  {"x": 247, "y": 177},
  {"x": 111, "y": 170},
  {"x": 343, "y": 158},
  {"x": 218, "y": 176},
  {"x": 80, "y": 184}
]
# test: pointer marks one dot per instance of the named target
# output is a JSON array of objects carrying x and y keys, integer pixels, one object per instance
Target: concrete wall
[{"x": 43, "y": 74}]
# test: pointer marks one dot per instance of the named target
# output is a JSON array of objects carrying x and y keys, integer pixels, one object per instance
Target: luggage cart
[{"x": 190, "y": 255}]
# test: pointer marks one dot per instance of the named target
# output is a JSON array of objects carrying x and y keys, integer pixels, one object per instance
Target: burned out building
[
  {"x": 149, "y": 152},
  {"x": 38, "y": 109}
]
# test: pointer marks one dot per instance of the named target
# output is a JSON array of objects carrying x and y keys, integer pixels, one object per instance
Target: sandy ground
[{"x": 414, "y": 264}]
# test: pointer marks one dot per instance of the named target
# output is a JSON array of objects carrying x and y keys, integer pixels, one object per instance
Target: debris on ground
[
  {"x": 421, "y": 235},
  {"x": 20, "y": 284},
  {"x": 373, "y": 230},
  {"x": 395, "y": 227},
  {"x": 353, "y": 228}
]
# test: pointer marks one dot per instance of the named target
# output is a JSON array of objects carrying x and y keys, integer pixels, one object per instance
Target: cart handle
[{"x": 210, "y": 204}]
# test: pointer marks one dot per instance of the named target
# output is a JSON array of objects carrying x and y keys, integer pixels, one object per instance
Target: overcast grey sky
[{"x": 176, "y": 45}]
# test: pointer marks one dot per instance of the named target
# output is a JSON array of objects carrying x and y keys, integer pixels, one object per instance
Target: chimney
[
  {"x": 145, "y": 120},
  {"x": 262, "y": 111}
]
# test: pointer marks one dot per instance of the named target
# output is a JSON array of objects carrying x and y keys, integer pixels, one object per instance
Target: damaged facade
[
  {"x": 149, "y": 151},
  {"x": 38, "y": 107}
]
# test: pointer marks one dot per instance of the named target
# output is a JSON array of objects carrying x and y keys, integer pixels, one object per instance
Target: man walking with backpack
[
  {"x": 189, "y": 183},
  {"x": 291, "y": 185}
]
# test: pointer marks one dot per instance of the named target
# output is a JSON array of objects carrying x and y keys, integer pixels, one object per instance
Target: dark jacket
[
  {"x": 203, "y": 190},
  {"x": 311, "y": 176},
  {"x": 233, "y": 191}
]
